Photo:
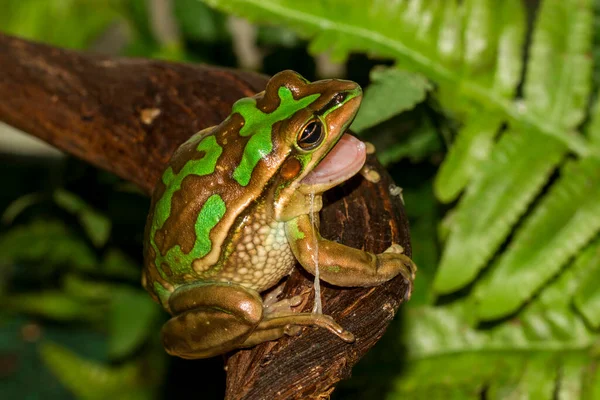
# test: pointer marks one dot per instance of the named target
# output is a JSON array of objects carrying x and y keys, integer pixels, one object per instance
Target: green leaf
[
  {"x": 471, "y": 147},
  {"x": 422, "y": 35},
  {"x": 199, "y": 22},
  {"x": 117, "y": 264},
  {"x": 534, "y": 381},
  {"x": 492, "y": 205},
  {"x": 419, "y": 144},
  {"x": 593, "y": 129},
  {"x": 91, "y": 380},
  {"x": 391, "y": 92},
  {"x": 46, "y": 242},
  {"x": 87, "y": 290},
  {"x": 566, "y": 219},
  {"x": 411, "y": 135},
  {"x": 422, "y": 212},
  {"x": 494, "y": 36},
  {"x": 67, "y": 23},
  {"x": 132, "y": 318},
  {"x": 522, "y": 161},
  {"x": 587, "y": 298},
  {"x": 15, "y": 208},
  {"x": 52, "y": 305},
  {"x": 545, "y": 346},
  {"x": 96, "y": 225}
]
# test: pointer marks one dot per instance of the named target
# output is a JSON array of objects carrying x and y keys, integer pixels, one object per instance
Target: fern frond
[
  {"x": 499, "y": 40},
  {"x": 423, "y": 35},
  {"x": 587, "y": 298},
  {"x": 593, "y": 129},
  {"x": 522, "y": 161},
  {"x": 545, "y": 347},
  {"x": 564, "y": 221}
]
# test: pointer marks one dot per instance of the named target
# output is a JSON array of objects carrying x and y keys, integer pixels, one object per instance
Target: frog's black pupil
[{"x": 311, "y": 136}]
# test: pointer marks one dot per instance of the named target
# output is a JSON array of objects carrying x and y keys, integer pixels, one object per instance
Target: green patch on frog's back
[
  {"x": 259, "y": 125},
  {"x": 211, "y": 213},
  {"x": 213, "y": 209},
  {"x": 203, "y": 166}
]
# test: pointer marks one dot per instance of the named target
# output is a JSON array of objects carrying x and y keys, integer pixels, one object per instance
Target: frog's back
[{"x": 195, "y": 206}]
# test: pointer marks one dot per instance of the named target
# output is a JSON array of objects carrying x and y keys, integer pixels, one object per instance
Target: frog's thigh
[
  {"x": 342, "y": 265},
  {"x": 210, "y": 319}
]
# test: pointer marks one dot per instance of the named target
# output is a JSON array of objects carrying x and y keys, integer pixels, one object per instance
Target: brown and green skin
[{"x": 231, "y": 214}]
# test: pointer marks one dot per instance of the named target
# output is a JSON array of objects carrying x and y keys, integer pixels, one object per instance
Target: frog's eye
[{"x": 311, "y": 136}]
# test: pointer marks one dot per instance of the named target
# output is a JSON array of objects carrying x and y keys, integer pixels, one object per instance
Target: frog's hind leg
[
  {"x": 276, "y": 325},
  {"x": 210, "y": 319}
]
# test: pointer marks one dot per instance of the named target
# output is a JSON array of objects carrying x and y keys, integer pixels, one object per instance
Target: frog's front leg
[{"x": 342, "y": 265}]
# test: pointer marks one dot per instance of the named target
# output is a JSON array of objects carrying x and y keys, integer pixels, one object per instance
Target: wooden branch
[
  {"x": 123, "y": 115},
  {"x": 127, "y": 116}
]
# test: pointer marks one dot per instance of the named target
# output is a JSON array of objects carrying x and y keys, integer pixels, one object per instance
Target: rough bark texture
[
  {"x": 123, "y": 115},
  {"x": 127, "y": 116}
]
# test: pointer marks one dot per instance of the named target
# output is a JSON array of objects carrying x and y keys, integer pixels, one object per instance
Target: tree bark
[{"x": 128, "y": 115}]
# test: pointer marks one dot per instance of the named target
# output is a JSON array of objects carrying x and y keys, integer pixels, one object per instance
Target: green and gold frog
[{"x": 232, "y": 214}]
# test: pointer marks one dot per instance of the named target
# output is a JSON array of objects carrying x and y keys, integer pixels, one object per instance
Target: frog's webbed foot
[
  {"x": 394, "y": 262},
  {"x": 276, "y": 325}
]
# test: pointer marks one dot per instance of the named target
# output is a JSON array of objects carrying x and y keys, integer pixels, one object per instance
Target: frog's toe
[
  {"x": 292, "y": 330},
  {"x": 395, "y": 248},
  {"x": 284, "y": 305}
]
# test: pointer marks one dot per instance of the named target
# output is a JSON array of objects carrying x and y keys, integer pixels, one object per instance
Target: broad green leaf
[
  {"x": 419, "y": 145},
  {"x": 46, "y": 242},
  {"x": 426, "y": 36},
  {"x": 391, "y": 92},
  {"x": 67, "y": 23},
  {"x": 52, "y": 305},
  {"x": 132, "y": 317},
  {"x": 92, "y": 380},
  {"x": 522, "y": 161},
  {"x": 96, "y": 225},
  {"x": 199, "y": 22},
  {"x": 587, "y": 298},
  {"x": 277, "y": 36},
  {"x": 411, "y": 135}
]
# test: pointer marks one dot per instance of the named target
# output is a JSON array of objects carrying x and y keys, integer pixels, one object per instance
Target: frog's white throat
[{"x": 343, "y": 161}]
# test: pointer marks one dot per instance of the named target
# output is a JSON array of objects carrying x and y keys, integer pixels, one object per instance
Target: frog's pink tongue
[{"x": 343, "y": 161}]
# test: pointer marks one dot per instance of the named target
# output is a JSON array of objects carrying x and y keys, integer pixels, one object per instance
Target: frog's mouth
[{"x": 343, "y": 161}]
